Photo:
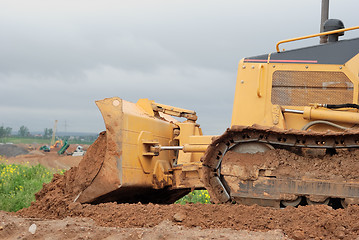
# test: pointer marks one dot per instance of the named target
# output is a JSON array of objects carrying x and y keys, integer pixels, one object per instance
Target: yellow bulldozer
[{"x": 295, "y": 113}]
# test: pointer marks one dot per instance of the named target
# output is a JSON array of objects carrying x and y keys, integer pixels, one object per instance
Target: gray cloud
[{"x": 58, "y": 57}]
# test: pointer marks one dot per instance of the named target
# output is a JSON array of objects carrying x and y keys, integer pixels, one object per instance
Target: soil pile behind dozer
[
  {"x": 53, "y": 199},
  {"x": 342, "y": 166}
]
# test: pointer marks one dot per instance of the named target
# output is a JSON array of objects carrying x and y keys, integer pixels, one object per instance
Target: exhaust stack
[{"x": 331, "y": 25}]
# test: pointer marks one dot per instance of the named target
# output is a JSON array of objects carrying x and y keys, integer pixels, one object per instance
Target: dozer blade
[{"x": 123, "y": 169}]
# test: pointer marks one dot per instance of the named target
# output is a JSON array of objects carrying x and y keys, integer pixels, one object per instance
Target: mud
[{"x": 56, "y": 201}]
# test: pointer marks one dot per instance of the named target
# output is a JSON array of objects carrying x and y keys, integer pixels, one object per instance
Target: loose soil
[
  {"x": 66, "y": 218},
  {"x": 13, "y": 227},
  {"x": 342, "y": 166}
]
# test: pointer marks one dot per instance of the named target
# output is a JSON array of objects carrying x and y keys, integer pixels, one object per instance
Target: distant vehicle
[
  {"x": 79, "y": 151},
  {"x": 45, "y": 148}
]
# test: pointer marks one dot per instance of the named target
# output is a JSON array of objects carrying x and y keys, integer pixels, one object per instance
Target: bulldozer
[{"x": 295, "y": 112}]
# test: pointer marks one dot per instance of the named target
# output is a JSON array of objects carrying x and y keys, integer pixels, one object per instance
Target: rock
[
  {"x": 74, "y": 206},
  {"x": 179, "y": 217},
  {"x": 32, "y": 228},
  {"x": 298, "y": 234},
  {"x": 340, "y": 234}
]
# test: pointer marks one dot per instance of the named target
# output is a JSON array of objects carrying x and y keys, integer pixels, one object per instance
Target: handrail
[
  {"x": 315, "y": 35},
  {"x": 259, "y": 89}
]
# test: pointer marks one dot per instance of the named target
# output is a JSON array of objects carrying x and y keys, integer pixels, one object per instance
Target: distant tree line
[
  {"x": 5, "y": 131},
  {"x": 79, "y": 139},
  {"x": 48, "y": 133},
  {"x": 24, "y": 132}
]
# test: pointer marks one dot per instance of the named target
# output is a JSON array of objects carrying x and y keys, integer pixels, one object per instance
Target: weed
[
  {"x": 19, "y": 183},
  {"x": 197, "y": 196}
]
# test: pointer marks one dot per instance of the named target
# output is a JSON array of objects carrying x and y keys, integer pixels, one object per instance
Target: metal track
[{"x": 269, "y": 191}]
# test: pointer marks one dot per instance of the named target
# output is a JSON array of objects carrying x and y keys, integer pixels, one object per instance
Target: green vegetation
[
  {"x": 5, "y": 131},
  {"x": 80, "y": 139},
  {"x": 39, "y": 140},
  {"x": 24, "y": 136},
  {"x": 24, "y": 131},
  {"x": 48, "y": 133},
  {"x": 19, "y": 183},
  {"x": 25, "y": 140},
  {"x": 197, "y": 196}
]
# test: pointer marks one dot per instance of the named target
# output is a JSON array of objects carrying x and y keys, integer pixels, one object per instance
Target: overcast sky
[{"x": 58, "y": 57}]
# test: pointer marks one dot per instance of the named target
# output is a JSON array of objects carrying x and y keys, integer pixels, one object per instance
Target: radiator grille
[{"x": 296, "y": 88}]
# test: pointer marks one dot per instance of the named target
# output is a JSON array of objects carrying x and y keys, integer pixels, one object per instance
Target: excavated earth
[
  {"x": 343, "y": 166},
  {"x": 12, "y": 150},
  {"x": 57, "y": 216}
]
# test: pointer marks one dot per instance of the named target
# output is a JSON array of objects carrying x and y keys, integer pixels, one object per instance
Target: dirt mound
[
  {"x": 56, "y": 201},
  {"x": 54, "y": 198},
  {"x": 12, "y": 150}
]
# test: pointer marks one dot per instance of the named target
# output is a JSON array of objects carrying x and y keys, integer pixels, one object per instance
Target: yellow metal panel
[
  {"x": 135, "y": 177},
  {"x": 145, "y": 104},
  {"x": 197, "y": 139},
  {"x": 352, "y": 65},
  {"x": 251, "y": 96}
]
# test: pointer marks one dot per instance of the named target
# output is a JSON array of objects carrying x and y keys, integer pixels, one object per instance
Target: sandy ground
[{"x": 50, "y": 160}]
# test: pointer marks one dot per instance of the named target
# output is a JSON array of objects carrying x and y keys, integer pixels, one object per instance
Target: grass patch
[
  {"x": 39, "y": 140},
  {"x": 18, "y": 140},
  {"x": 197, "y": 196},
  {"x": 19, "y": 183}
]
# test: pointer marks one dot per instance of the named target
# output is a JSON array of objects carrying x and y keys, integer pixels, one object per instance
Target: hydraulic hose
[
  {"x": 308, "y": 125},
  {"x": 346, "y": 105}
]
